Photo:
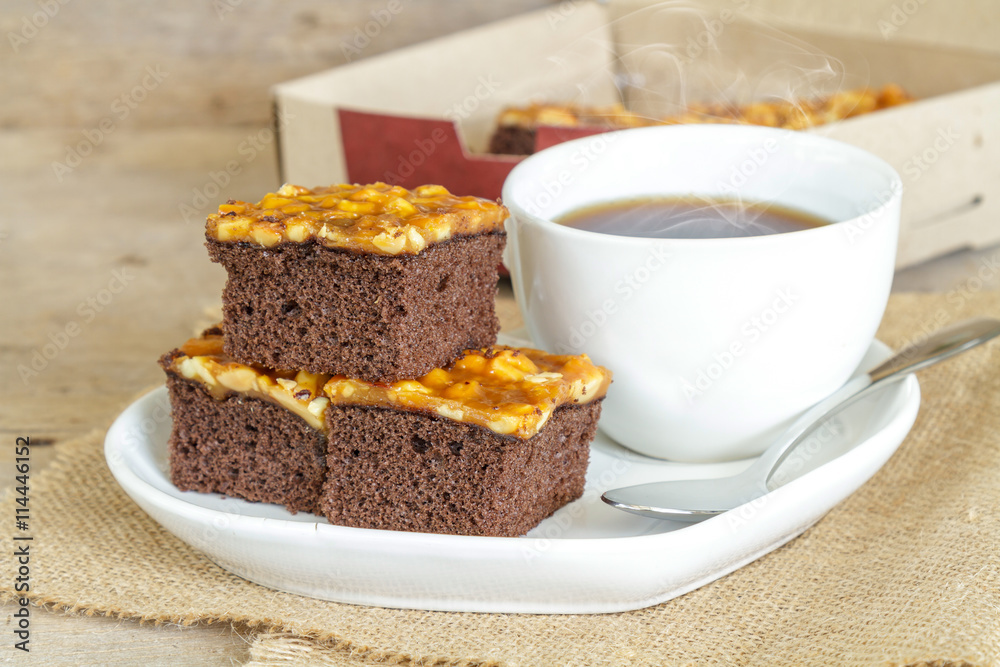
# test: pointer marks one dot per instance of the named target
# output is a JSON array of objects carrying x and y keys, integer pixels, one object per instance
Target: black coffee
[{"x": 690, "y": 218}]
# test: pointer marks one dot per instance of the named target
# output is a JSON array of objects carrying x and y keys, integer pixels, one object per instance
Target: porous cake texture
[
  {"x": 374, "y": 281},
  {"x": 378, "y": 317},
  {"x": 244, "y": 447},
  {"x": 410, "y": 471}
]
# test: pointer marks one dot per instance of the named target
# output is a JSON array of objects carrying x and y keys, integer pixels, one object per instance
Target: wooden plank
[
  {"x": 216, "y": 61},
  {"x": 61, "y": 640}
]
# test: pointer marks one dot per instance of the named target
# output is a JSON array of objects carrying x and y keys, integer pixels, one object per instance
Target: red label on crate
[{"x": 416, "y": 151}]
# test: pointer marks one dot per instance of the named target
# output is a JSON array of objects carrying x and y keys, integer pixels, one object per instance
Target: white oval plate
[{"x": 586, "y": 558}]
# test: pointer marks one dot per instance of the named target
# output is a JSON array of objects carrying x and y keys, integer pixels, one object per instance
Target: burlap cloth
[{"x": 905, "y": 571}]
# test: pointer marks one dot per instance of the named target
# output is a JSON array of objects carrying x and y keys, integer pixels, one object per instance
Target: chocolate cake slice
[
  {"x": 243, "y": 431},
  {"x": 517, "y": 126},
  {"x": 374, "y": 281},
  {"x": 409, "y": 471},
  {"x": 490, "y": 445}
]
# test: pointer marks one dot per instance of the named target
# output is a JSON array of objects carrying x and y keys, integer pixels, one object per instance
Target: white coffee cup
[{"x": 715, "y": 344}]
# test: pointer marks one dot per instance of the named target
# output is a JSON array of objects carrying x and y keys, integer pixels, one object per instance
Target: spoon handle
[{"x": 938, "y": 346}]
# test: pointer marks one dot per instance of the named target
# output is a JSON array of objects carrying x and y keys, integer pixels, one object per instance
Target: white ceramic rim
[{"x": 559, "y": 152}]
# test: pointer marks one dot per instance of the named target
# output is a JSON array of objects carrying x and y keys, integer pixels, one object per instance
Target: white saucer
[{"x": 586, "y": 558}]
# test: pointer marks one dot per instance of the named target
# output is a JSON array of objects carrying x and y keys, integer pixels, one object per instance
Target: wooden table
[{"x": 103, "y": 268}]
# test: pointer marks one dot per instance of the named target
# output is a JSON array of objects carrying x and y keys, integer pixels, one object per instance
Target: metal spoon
[{"x": 698, "y": 499}]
